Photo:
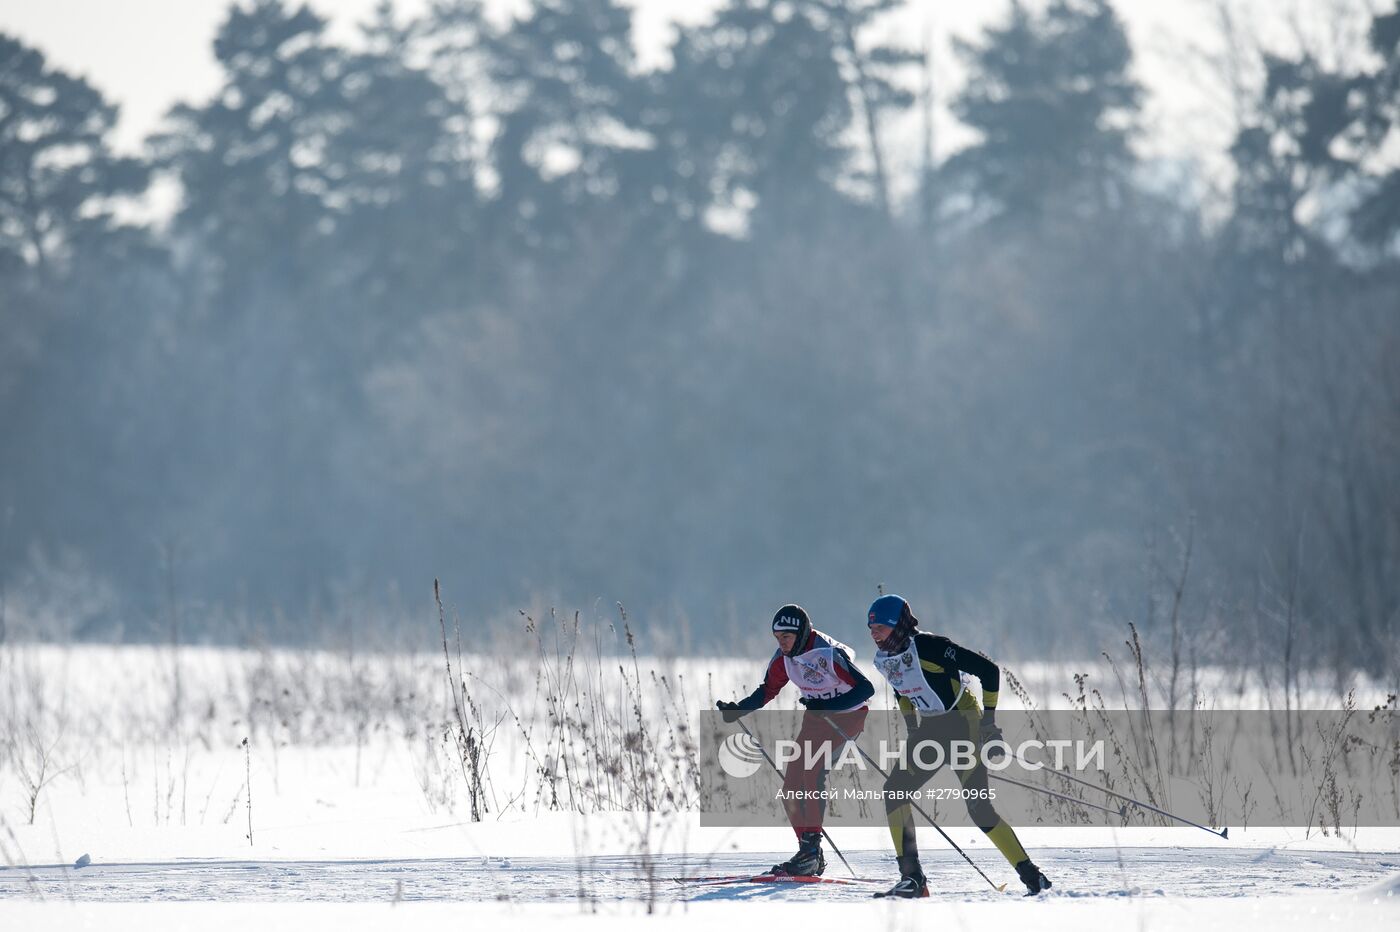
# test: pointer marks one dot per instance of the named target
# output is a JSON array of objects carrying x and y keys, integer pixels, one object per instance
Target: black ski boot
[
  {"x": 808, "y": 861},
  {"x": 1031, "y": 876},
  {"x": 912, "y": 884}
]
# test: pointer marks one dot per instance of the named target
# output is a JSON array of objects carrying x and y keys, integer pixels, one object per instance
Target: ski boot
[
  {"x": 808, "y": 861},
  {"x": 912, "y": 884},
  {"x": 1031, "y": 876}
]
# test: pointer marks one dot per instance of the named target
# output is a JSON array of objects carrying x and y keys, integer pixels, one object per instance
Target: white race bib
[
  {"x": 907, "y": 679},
  {"x": 814, "y": 673}
]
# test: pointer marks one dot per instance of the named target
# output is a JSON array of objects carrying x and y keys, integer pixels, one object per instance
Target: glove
[
  {"x": 731, "y": 710},
  {"x": 991, "y": 732},
  {"x": 812, "y": 704}
]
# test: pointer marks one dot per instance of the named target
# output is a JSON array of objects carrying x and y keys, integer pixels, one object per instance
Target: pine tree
[
  {"x": 569, "y": 110},
  {"x": 58, "y": 174},
  {"x": 77, "y": 286},
  {"x": 402, "y": 180},
  {"x": 1053, "y": 101},
  {"x": 873, "y": 74},
  {"x": 757, "y": 109},
  {"x": 257, "y": 194}
]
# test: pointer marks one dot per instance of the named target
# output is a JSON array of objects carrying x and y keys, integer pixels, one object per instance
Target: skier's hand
[
  {"x": 731, "y": 710},
  {"x": 812, "y": 704},
  {"x": 992, "y": 732}
]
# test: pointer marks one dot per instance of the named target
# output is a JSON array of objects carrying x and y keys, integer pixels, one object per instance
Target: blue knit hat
[
  {"x": 894, "y": 611},
  {"x": 887, "y": 610}
]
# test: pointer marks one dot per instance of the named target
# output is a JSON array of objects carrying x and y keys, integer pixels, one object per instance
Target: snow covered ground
[
  {"x": 623, "y": 864},
  {"x": 360, "y": 816},
  {"x": 1082, "y": 865},
  {"x": 532, "y": 876}
]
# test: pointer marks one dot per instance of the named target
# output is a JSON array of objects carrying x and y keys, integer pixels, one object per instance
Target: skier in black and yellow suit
[{"x": 926, "y": 672}]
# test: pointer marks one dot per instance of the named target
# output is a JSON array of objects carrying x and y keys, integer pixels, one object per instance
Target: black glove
[
  {"x": 731, "y": 710},
  {"x": 991, "y": 732},
  {"x": 812, "y": 704}
]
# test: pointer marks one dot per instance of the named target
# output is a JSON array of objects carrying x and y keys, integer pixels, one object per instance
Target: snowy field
[
  {"x": 358, "y": 785},
  {"x": 423, "y": 875}
]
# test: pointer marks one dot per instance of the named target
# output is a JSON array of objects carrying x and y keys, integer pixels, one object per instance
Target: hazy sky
[{"x": 148, "y": 54}]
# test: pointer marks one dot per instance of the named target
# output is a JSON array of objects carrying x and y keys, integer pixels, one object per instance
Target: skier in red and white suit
[{"x": 821, "y": 668}]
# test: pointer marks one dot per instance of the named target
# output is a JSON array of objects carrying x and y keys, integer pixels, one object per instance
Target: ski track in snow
[{"x": 1077, "y": 873}]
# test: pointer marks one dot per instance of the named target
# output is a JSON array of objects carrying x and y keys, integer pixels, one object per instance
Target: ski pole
[
  {"x": 1121, "y": 812},
  {"x": 1223, "y": 833},
  {"x": 764, "y": 751},
  {"x": 1000, "y": 888}
]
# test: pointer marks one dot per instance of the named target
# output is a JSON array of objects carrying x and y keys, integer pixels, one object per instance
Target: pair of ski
[
  {"x": 767, "y": 878},
  {"x": 775, "y": 878}
]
